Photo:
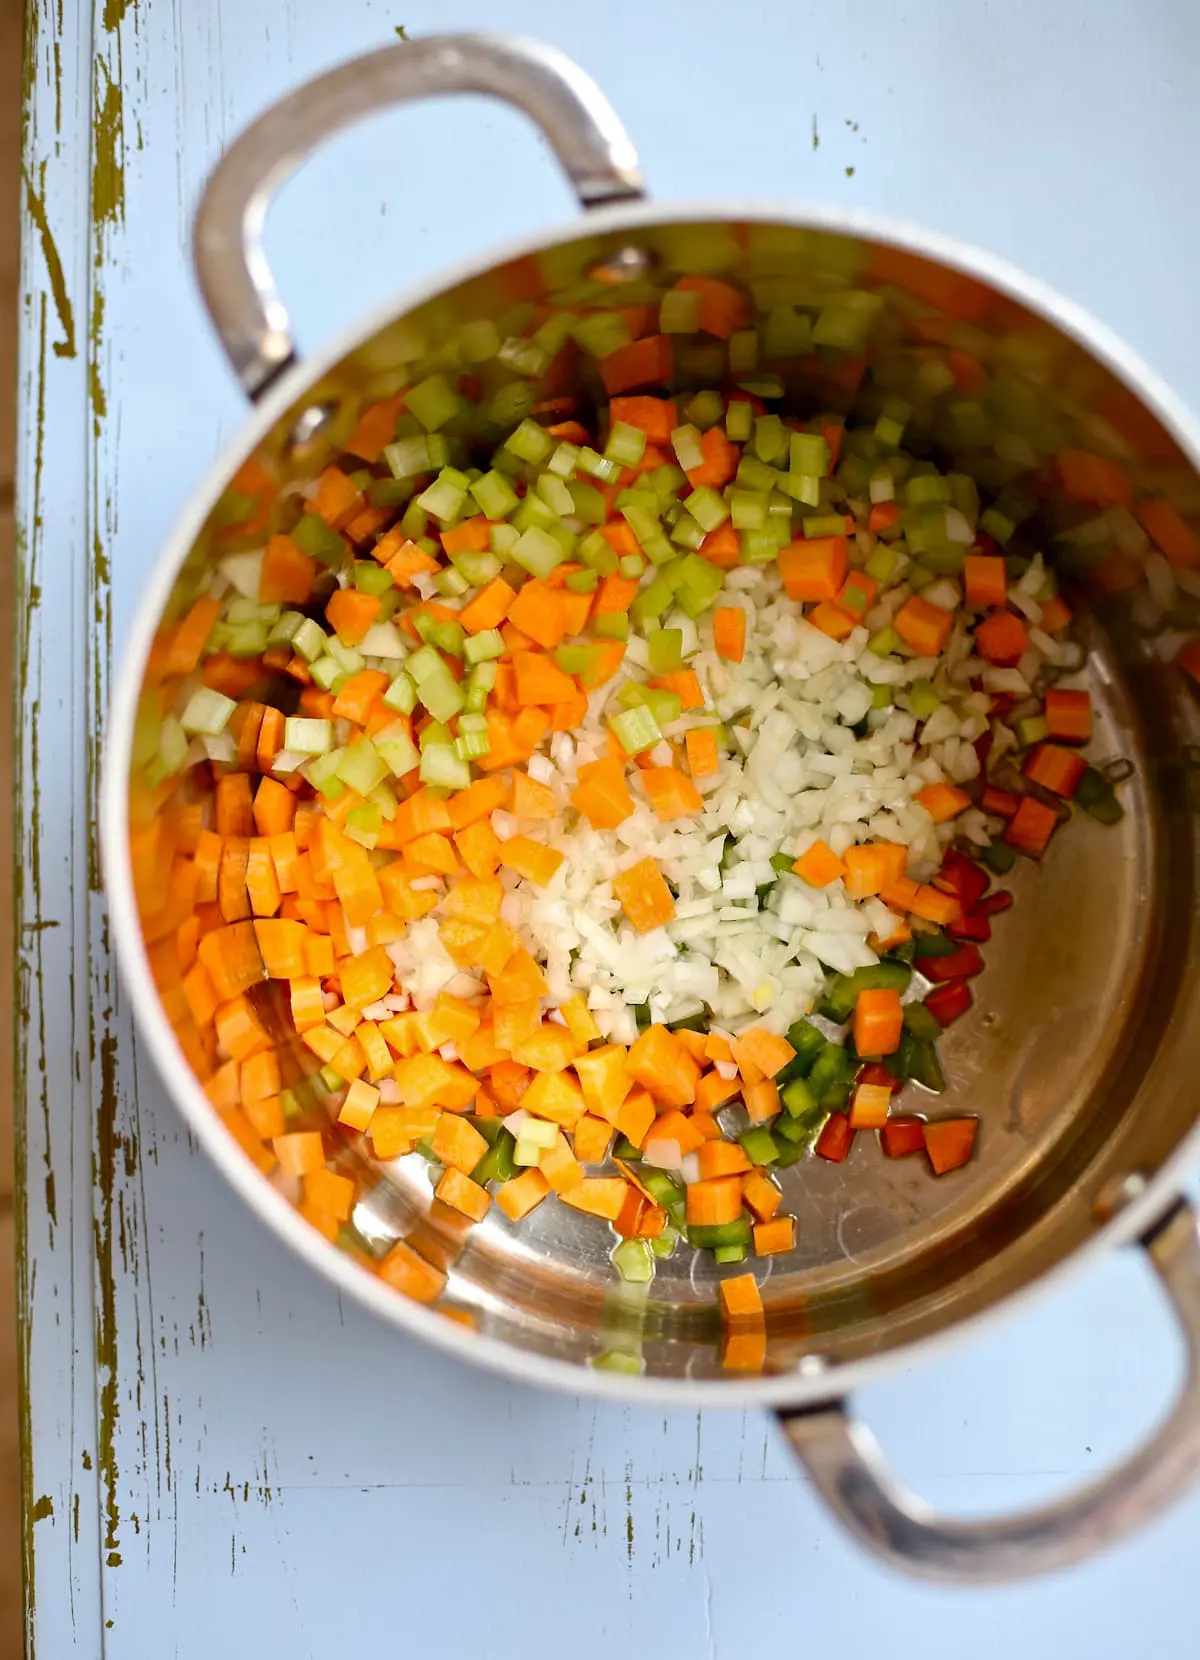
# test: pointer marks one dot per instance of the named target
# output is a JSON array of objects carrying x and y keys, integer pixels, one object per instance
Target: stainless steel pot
[{"x": 1082, "y": 1051}]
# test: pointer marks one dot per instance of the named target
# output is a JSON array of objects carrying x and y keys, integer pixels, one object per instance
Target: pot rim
[{"x": 265, "y": 1201}]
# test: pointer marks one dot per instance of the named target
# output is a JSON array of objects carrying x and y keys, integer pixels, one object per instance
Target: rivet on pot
[
  {"x": 627, "y": 264},
  {"x": 1117, "y": 1193},
  {"x": 310, "y": 425}
]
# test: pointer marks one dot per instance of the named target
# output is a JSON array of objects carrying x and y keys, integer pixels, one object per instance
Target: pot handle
[
  {"x": 844, "y": 1461},
  {"x": 575, "y": 118}
]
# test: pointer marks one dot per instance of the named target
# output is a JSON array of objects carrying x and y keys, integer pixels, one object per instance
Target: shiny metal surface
[
  {"x": 575, "y": 118},
  {"x": 1080, "y": 1052},
  {"x": 845, "y": 1464}
]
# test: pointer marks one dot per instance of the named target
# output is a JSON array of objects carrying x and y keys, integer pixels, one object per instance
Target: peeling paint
[
  {"x": 43, "y": 1509},
  {"x": 36, "y": 206}
]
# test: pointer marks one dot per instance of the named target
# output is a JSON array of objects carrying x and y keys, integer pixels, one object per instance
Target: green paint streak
[
  {"x": 96, "y": 393},
  {"x": 43, "y": 1508},
  {"x": 104, "y": 1171},
  {"x": 108, "y": 152},
  {"x": 36, "y": 203}
]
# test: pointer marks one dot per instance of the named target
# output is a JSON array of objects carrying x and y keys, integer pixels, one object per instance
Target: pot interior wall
[{"x": 1079, "y": 1051}]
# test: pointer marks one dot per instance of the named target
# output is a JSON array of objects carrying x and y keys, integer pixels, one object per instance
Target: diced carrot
[
  {"x": 923, "y": 626},
  {"x": 191, "y": 636},
  {"x": 516, "y": 1198},
  {"x": 819, "y": 865},
  {"x": 857, "y": 594},
  {"x": 814, "y": 568},
  {"x": 602, "y": 794},
  {"x": 591, "y": 1139},
  {"x": 232, "y": 959},
  {"x": 357, "y": 694},
  {"x": 645, "y": 362},
  {"x": 762, "y": 1100},
  {"x": 479, "y": 848},
  {"x": 901, "y": 1136},
  {"x": 462, "y": 1194},
  {"x": 1169, "y": 531},
  {"x": 560, "y": 1166},
  {"x": 700, "y": 745},
  {"x": 1031, "y": 827},
  {"x": 664, "y": 1067},
  {"x": 554, "y": 1096},
  {"x": 770, "y": 1238},
  {"x": 234, "y": 810},
  {"x": 604, "y": 1078},
  {"x": 760, "y": 1195},
  {"x": 429, "y": 855},
  {"x": 722, "y": 548},
  {"x": 684, "y": 684},
  {"x": 540, "y": 680},
  {"x": 358, "y": 1108},
  {"x": 671, "y": 793},
  {"x": 299, "y": 1152},
  {"x": 869, "y": 1106},
  {"x": 713, "y": 1091},
  {"x": 404, "y": 560},
  {"x": 721, "y": 1158},
  {"x": 740, "y": 1298},
  {"x": 1068, "y": 715},
  {"x": 831, "y": 620},
  {"x": 985, "y": 579},
  {"x": 1055, "y": 616},
  {"x": 763, "y": 1050},
  {"x": 744, "y": 1347},
  {"x": 1056, "y": 769},
  {"x": 457, "y": 1143},
  {"x": 720, "y": 461},
  {"x": 520, "y": 980},
  {"x": 531, "y": 860},
  {"x": 376, "y": 426},
  {"x": 337, "y": 499},
  {"x": 366, "y": 978},
  {"x": 883, "y": 515},
  {"x": 489, "y": 607},
  {"x": 1083, "y": 476},
  {"x": 644, "y": 895},
  {"x": 405, "y": 1270},
  {"x": 350, "y": 613},
  {"x": 729, "y": 632},
  {"x": 628, "y": 1220},
  {"x": 932, "y": 906},
  {"x": 655, "y": 417},
  {"x": 1002, "y": 638},
  {"x": 871, "y": 867},
  {"x": 723, "y": 308},
  {"x": 711, "y": 1203},
  {"x": 950, "y": 1142},
  {"x": 532, "y": 799},
  {"x": 686, "y": 1133},
  {"x": 580, "y": 1022},
  {"x": 477, "y": 801},
  {"x": 635, "y": 1117},
  {"x": 943, "y": 801},
  {"x": 600, "y": 1196}
]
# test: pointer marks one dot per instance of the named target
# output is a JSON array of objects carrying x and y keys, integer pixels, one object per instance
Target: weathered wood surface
[{"x": 222, "y": 1459}]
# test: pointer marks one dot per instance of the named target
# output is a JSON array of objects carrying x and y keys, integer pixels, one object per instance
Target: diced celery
[
  {"x": 631, "y": 565},
  {"x": 771, "y": 441},
  {"x": 723, "y": 1254},
  {"x": 481, "y": 647},
  {"x": 808, "y": 453},
  {"x": 539, "y": 1133},
  {"x": 415, "y": 521},
  {"x": 995, "y": 524},
  {"x": 598, "y": 466},
  {"x": 470, "y": 746},
  {"x": 307, "y": 737},
  {"x": 847, "y": 320},
  {"x": 524, "y": 356},
  {"x": 634, "y": 1261},
  {"x": 370, "y": 578},
  {"x": 597, "y": 553},
  {"x": 743, "y": 352},
  {"x": 707, "y": 508},
  {"x": 494, "y": 495},
  {"x": 665, "y": 646},
  {"x": 686, "y": 533},
  {"x": 884, "y": 642},
  {"x": 923, "y": 701},
  {"x": 679, "y": 312},
  {"x": 314, "y": 537},
  {"x": 441, "y": 695},
  {"x": 554, "y": 333},
  {"x": 284, "y": 631},
  {"x": 554, "y": 492},
  {"x": 753, "y": 474},
  {"x": 651, "y": 602},
  {"x": 207, "y": 713},
  {"x": 582, "y": 582},
  {"x": 446, "y": 496},
  {"x": 611, "y": 625},
  {"x": 758, "y": 547},
  {"x": 685, "y": 441},
  {"x": 1032, "y": 730},
  {"x": 739, "y": 420},
  {"x": 409, "y": 457},
  {"x": 882, "y": 563},
  {"x": 788, "y": 332},
  {"x": 503, "y": 538},
  {"x": 531, "y": 442},
  {"x": 586, "y": 502},
  {"x": 476, "y": 566},
  {"x": 562, "y": 462},
  {"x": 537, "y": 552},
  {"x": 433, "y": 402},
  {"x": 635, "y": 729},
  {"x": 362, "y": 767},
  {"x": 443, "y": 767},
  {"x": 446, "y": 636},
  {"x": 479, "y": 340},
  {"x": 401, "y": 695},
  {"x": 396, "y": 749},
  {"x": 704, "y": 409},
  {"x": 924, "y": 489},
  {"x": 626, "y": 444},
  {"x": 748, "y": 509},
  {"x": 328, "y": 673},
  {"x": 321, "y": 773},
  {"x": 602, "y": 334},
  {"x": 478, "y": 684}
]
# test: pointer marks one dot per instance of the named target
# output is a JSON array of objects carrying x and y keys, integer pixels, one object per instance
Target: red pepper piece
[
  {"x": 834, "y": 1140},
  {"x": 949, "y": 1002},
  {"x": 962, "y": 964},
  {"x": 901, "y": 1136}
]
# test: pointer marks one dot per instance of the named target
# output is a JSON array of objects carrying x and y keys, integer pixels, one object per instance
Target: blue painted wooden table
[{"x": 222, "y": 1458}]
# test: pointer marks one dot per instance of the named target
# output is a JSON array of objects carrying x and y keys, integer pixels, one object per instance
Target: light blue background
[{"x": 288, "y": 1477}]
